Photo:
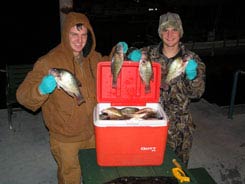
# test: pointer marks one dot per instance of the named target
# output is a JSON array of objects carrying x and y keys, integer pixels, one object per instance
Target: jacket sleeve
[
  {"x": 195, "y": 88},
  {"x": 27, "y": 93}
]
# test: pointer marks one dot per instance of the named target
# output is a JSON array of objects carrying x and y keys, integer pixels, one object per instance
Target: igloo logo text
[{"x": 148, "y": 148}]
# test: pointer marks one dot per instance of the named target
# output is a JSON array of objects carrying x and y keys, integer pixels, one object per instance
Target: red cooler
[{"x": 131, "y": 142}]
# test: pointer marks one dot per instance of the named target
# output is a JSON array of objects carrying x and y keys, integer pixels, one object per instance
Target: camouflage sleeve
[{"x": 195, "y": 88}]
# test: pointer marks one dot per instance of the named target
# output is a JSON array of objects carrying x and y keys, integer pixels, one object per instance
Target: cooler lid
[{"x": 130, "y": 89}]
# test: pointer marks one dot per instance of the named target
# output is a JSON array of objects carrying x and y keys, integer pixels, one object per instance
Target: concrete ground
[{"x": 219, "y": 146}]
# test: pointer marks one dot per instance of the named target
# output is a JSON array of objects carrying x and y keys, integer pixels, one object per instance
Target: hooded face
[{"x": 78, "y": 39}]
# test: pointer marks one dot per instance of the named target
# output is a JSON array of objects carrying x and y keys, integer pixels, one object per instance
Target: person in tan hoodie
[{"x": 70, "y": 125}]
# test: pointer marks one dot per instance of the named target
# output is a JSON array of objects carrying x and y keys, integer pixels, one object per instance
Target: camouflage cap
[{"x": 170, "y": 20}]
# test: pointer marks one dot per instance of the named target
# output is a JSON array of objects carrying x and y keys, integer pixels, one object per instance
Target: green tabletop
[{"x": 94, "y": 174}]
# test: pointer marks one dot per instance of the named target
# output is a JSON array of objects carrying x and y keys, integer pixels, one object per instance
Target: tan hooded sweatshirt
[{"x": 66, "y": 121}]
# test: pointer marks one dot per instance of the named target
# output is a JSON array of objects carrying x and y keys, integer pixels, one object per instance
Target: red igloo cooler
[{"x": 129, "y": 142}]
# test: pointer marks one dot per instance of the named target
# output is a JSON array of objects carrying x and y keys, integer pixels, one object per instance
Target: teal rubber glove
[
  {"x": 135, "y": 55},
  {"x": 125, "y": 46},
  {"x": 191, "y": 69},
  {"x": 47, "y": 85}
]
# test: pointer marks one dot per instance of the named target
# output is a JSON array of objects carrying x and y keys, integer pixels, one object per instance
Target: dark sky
[
  {"x": 30, "y": 30},
  {"x": 33, "y": 28}
]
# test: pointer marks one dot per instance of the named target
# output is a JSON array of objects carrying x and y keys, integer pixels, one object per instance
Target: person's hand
[
  {"x": 191, "y": 69},
  {"x": 124, "y": 45},
  {"x": 135, "y": 55},
  {"x": 47, "y": 85}
]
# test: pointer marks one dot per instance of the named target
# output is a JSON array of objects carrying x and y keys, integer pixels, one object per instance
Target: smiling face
[
  {"x": 170, "y": 36},
  {"x": 78, "y": 39}
]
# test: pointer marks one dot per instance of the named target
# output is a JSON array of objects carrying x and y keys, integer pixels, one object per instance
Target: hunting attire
[
  {"x": 177, "y": 93},
  {"x": 70, "y": 126},
  {"x": 175, "y": 98}
]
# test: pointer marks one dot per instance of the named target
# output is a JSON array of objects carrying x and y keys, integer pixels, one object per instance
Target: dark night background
[{"x": 31, "y": 30}]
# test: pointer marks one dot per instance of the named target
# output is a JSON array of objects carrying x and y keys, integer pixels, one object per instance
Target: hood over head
[
  {"x": 170, "y": 20},
  {"x": 71, "y": 20}
]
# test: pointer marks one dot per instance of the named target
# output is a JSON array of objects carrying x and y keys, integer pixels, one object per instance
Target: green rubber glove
[
  {"x": 125, "y": 46},
  {"x": 191, "y": 69},
  {"x": 47, "y": 85},
  {"x": 135, "y": 55}
]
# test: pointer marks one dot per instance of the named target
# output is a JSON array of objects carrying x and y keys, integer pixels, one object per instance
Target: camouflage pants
[{"x": 180, "y": 136}]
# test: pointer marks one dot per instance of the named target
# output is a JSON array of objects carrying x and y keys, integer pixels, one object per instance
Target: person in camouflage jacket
[{"x": 177, "y": 93}]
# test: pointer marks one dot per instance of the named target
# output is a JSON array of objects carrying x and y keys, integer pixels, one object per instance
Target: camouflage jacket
[{"x": 176, "y": 97}]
